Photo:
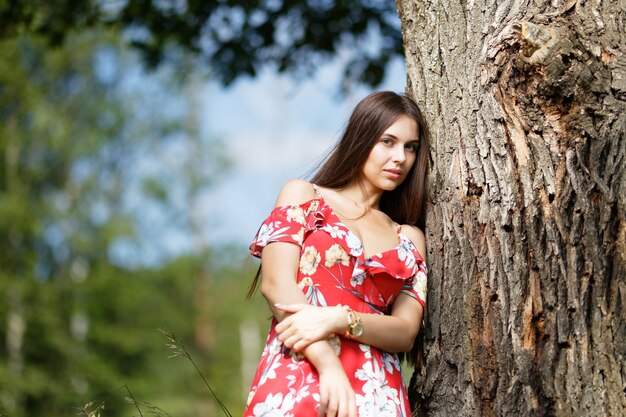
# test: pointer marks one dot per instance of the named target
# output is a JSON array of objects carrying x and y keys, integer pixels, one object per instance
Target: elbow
[
  {"x": 267, "y": 288},
  {"x": 273, "y": 290},
  {"x": 407, "y": 342},
  {"x": 401, "y": 344},
  {"x": 407, "y": 345}
]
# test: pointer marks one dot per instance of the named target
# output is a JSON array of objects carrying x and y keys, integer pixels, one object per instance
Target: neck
[{"x": 362, "y": 195}]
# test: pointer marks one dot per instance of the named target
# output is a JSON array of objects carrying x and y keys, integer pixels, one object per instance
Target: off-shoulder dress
[{"x": 334, "y": 271}]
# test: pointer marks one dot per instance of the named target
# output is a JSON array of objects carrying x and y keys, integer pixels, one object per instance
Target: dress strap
[{"x": 316, "y": 188}]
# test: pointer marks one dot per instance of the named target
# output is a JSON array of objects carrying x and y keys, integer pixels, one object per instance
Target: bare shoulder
[
  {"x": 417, "y": 237},
  {"x": 294, "y": 192}
]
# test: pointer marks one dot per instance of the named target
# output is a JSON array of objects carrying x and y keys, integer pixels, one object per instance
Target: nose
[{"x": 399, "y": 154}]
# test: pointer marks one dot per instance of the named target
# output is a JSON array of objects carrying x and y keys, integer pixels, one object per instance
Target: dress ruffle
[{"x": 294, "y": 223}]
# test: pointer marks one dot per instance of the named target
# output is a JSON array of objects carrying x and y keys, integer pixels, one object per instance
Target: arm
[
  {"x": 280, "y": 262},
  {"x": 397, "y": 332},
  {"x": 394, "y": 333}
]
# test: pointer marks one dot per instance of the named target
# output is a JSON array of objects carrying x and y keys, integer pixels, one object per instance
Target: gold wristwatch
[{"x": 355, "y": 324}]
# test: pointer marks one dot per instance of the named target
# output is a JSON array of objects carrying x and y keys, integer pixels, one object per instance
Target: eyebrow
[{"x": 396, "y": 138}]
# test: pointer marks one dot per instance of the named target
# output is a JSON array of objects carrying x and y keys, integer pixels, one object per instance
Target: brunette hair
[{"x": 369, "y": 120}]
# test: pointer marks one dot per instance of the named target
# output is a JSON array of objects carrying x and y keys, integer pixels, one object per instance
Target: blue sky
[{"x": 273, "y": 129}]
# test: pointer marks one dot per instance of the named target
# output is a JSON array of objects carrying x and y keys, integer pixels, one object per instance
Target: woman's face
[{"x": 393, "y": 155}]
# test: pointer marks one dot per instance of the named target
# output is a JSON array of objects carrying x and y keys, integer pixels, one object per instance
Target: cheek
[
  {"x": 410, "y": 159},
  {"x": 376, "y": 156}
]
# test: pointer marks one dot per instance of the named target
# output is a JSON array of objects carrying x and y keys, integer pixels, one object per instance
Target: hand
[
  {"x": 336, "y": 394},
  {"x": 308, "y": 324}
]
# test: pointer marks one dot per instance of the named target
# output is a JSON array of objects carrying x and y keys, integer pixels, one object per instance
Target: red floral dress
[{"x": 333, "y": 271}]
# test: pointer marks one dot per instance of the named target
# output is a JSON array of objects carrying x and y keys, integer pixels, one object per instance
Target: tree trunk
[{"x": 526, "y": 229}]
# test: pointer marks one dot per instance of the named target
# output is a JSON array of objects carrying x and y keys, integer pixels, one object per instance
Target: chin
[{"x": 389, "y": 187}]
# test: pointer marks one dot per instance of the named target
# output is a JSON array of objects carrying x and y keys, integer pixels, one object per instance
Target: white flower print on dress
[
  {"x": 336, "y": 255},
  {"x": 375, "y": 264},
  {"x": 274, "y": 406},
  {"x": 367, "y": 349},
  {"x": 268, "y": 232},
  {"x": 313, "y": 295},
  {"x": 368, "y": 407},
  {"x": 296, "y": 214},
  {"x": 270, "y": 372},
  {"x": 390, "y": 362},
  {"x": 298, "y": 237},
  {"x": 305, "y": 282},
  {"x": 353, "y": 242},
  {"x": 334, "y": 231},
  {"x": 419, "y": 284},
  {"x": 378, "y": 398},
  {"x": 302, "y": 393},
  {"x": 275, "y": 346},
  {"x": 358, "y": 275},
  {"x": 270, "y": 407},
  {"x": 309, "y": 260},
  {"x": 405, "y": 253},
  {"x": 250, "y": 396}
]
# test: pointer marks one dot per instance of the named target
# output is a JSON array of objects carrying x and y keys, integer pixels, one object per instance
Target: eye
[
  {"x": 387, "y": 141},
  {"x": 412, "y": 147}
]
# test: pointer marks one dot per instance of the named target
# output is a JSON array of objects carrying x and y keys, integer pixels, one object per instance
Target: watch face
[{"x": 357, "y": 330}]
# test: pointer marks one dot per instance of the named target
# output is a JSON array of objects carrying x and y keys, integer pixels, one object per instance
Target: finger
[
  {"x": 300, "y": 345},
  {"x": 322, "y": 410},
  {"x": 291, "y": 308},
  {"x": 303, "y": 343},
  {"x": 342, "y": 406},
  {"x": 285, "y": 330},
  {"x": 282, "y": 326},
  {"x": 349, "y": 406},
  {"x": 291, "y": 342},
  {"x": 323, "y": 401},
  {"x": 333, "y": 405},
  {"x": 352, "y": 412},
  {"x": 344, "y": 410}
]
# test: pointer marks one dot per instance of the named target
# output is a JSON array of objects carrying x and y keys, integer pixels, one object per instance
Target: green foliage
[
  {"x": 80, "y": 315},
  {"x": 77, "y": 325},
  {"x": 235, "y": 38}
]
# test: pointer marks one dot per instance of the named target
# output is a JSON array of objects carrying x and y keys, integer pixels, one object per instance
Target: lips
[
  {"x": 393, "y": 173},
  {"x": 396, "y": 171}
]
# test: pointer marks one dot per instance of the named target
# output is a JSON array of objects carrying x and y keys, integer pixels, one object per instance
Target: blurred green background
[{"x": 90, "y": 91}]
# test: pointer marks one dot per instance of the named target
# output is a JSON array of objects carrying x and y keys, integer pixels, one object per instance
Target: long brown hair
[{"x": 369, "y": 120}]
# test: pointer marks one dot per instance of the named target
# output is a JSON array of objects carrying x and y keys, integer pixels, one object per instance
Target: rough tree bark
[{"x": 527, "y": 227}]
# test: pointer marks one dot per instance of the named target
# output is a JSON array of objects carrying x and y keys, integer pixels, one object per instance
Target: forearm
[
  {"x": 389, "y": 333},
  {"x": 281, "y": 291},
  {"x": 279, "y": 287},
  {"x": 319, "y": 353},
  {"x": 395, "y": 332}
]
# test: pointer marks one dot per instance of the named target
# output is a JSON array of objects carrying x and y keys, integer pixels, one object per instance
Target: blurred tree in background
[
  {"x": 233, "y": 38},
  {"x": 88, "y": 270},
  {"x": 79, "y": 323}
]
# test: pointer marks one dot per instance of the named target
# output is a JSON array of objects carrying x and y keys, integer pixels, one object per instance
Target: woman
[{"x": 344, "y": 274}]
